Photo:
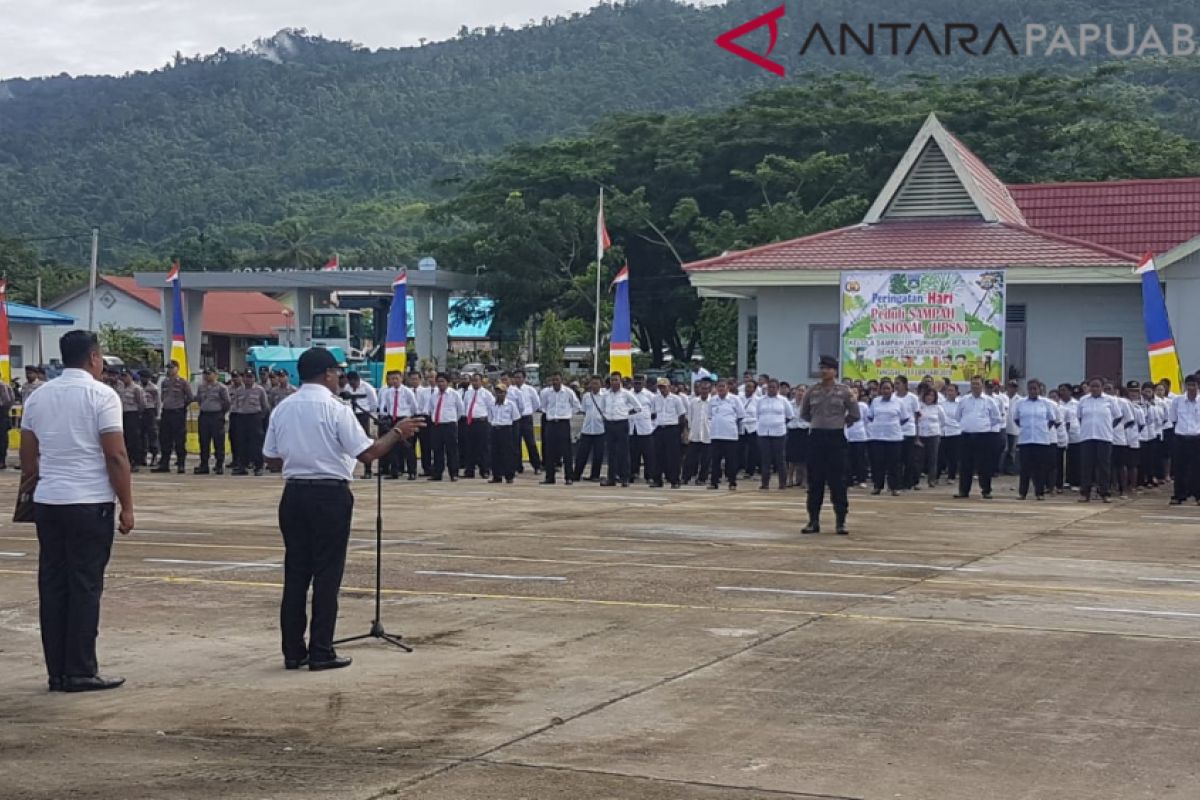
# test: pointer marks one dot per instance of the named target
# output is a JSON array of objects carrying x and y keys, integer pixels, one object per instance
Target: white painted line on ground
[
  {"x": 1171, "y": 580},
  {"x": 426, "y": 542},
  {"x": 804, "y": 592},
  {"x": 910, "y": 566},
  {"x": 1139, "y": 611},
  {"x": 487, "y": 576},
  {"x": 626, "y": 552},
  {"x": 12, "y": 555},
  {"x": 1171, "y": 517},
  {"x": 173, "y": 533},
  {"x": 968, "y": 510},
  {"x": 185, "y": 561}
]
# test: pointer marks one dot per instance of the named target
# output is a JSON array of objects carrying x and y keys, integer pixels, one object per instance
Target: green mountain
[{"x": 298, "y": 146}]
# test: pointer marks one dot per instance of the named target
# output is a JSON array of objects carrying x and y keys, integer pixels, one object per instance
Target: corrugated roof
[
  {"x": 1133, "y": 216},
  {"x": 992, "y": 188},
  {"x": 32, "y": 315},
  {"x": 251, "y": 314},
  {"x": 922, "y": 244}
]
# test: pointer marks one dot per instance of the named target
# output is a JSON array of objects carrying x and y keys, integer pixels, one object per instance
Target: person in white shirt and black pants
[
  {"x": 1036, "y": 421},
  {"x": 316, "y": 441},
  {"x": 477, "y": 402},
  {"x": 73, "y": 447},
  {"x": 774, "y": 411},
  {"x": 503, "y": 418},
  {"x": 529, "y": 403},
  {"x": 591, "y": 436},
  {"x": 1098, "y": 416},
  {"x": 642, "y": 450},
  {"x": 979, "y": 417},
  {"x": 1184, "y": 415},
  {"x": 725, "y": 415},
  {"x": 397, "y": 403},
  {"x": 618, "y": 407},
  {"x": 670, "y": 414},
  {"x": 559, "y": 405},
  {"x": 445, "y": 408}
]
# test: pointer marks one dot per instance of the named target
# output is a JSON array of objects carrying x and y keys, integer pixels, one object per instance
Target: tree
[
  {"x": 551, "y": 343},
  {"x": 125, "y": 344},
  {"x": 718, "y": 326}
]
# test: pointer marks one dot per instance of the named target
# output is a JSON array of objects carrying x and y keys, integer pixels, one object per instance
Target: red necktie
[
  {"x": 437, "y": 414},
  {"x": 395, "y": 403},
  {"x": 471, "y": 410}
]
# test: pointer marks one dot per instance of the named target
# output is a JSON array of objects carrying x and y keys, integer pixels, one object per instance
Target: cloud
[{"x": 41, "y": 37}]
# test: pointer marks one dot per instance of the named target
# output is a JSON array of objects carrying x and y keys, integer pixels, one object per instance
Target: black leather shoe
[
  {"x": 161, "y": 468},
  {"x": 337, "y": 662},
  {"x": 811, "y": 527},
  {"x": 57, "y": 684},
  {"x": 219, "y": 470},
  {"x": 200, "y": 471},
  {"x": 841, "y": 528},
  {"x": 258, "y": 472},
  {"x": 182, "y": 470},
  {"x": 289, "y": 663},
  {"x": 96, "y": 683}
]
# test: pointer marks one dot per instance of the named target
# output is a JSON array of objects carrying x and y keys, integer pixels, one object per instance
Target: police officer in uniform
[
  {"x": 249, "y": 403},
  {"x": 316, "y": 440},
  {"x": 829, "y": 407},
  {"x": 149, "y": 418},
  {"x": 133, "y": 404},
  {"x": 172, "y": 430},
  {"x": 213, "y": 398}
]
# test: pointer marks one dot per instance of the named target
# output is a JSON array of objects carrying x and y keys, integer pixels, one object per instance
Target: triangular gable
[{"x": 939, "y": 177}]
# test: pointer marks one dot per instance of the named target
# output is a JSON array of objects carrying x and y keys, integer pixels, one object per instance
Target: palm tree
[{"x": 292, "y": 243}]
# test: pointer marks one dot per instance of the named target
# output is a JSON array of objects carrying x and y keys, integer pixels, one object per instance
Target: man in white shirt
[
  {"x": 558, "y": 405},
  {"x": 618, "y": 406},
  {"x": 670, "y": 416},
  {"x": 503, "y": 419},
  {"x": 364, "y": 402},
  {"x": 725, "y": 414},
  {"x": 641, "y": 434},
  {"x": 397, "y": 403},
  {"x": 699, "y": 373},
  {"x": 696, "y": 459},
  {"x": 748, "y": 456},
  {"x": 423, "y": 389},
  {"x": 591, "y": 437},
  {"x": 477, "y": 405},
  {"x": 1035, "y": 419},
  {"x": 445, "y": 408},
  {"x": 1184, "y": 414},
  {"x": 1098, "y": 416},
  {"x": 529, "y": 403},
  {"x": 978, "y": 417},
  {"x": 1010, "y": 455},
  {"x": 73, "y": 448},
  {"x": 774, "y": 412},
  {"x": 316, "y": 441}
]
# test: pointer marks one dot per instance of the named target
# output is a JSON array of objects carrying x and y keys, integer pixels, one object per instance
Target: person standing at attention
[
  {"x": 774, "y": 412},
  {"x": 1184, "y": 414},
  {"x": 529, "y": 403},
  {"x": 559, "y": 405},
  {"x": 1035, "y": 420},
  {"x": 248, "y": 404},
  {"x": 670, "y": 422},
  {"x": 73, "y": 446},
  {"x": 978, "y": 416},
  {"x": 445, "y": 408},
  {"x": 725, "y": 413},
  {"x": 1098, "y": 417},
  {"x": 172, "y": 429},
  {"x": 150, "y": 419},
  {"x": 213, "y": 398},
  {"x": 133, "y": 405},
  {"x": 316, "y": 440},
  {"x": 828, "y": 407}
]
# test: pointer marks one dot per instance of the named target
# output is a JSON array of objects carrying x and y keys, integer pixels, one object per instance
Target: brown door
[{"x": 1102, "y": 356}]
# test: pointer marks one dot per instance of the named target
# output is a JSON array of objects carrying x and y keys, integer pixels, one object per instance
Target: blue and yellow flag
[
  {"x": 395, "y": 353},
  {"x": 178, "y": 351},
  {"x": 5, "y": 366},
  {"x": 620, "y": 344},
  {"x": 1164, "y": 361}
]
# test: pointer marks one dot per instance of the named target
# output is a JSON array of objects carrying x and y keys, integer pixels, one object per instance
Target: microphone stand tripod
[{"x": 377, "y": 631}]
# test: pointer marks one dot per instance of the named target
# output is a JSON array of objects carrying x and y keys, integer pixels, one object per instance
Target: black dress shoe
[
  {"x": 295, "y": 663},
  {"x": 811, "y": 527},
  {"x": 258, "y": 472},
  {"x": 549, "y": 482},
  {"x": 219, "y": 469},
  {"x": 182, "y": 470},
  {"x": 841, "y": 528},
  {"x": 337, "y": 662},
  {"x": 95, "y": 683},
  {"x": 496, "y": 480},
  {"x": 161, "y": 468},
  {"x": 412, "y": 477},
  {"x": 58, "y": 684}
]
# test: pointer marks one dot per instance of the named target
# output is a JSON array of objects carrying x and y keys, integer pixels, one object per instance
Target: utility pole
[{"x": 92, "y": 279}]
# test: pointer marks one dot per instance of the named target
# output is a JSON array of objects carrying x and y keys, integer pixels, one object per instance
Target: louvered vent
[
  {"x": 931, "y": 189},
  {"x": 1014, "y": 314}
]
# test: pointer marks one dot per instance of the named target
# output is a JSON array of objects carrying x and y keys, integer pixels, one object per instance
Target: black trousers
[
  {"x": 315, "y": 522},
  {"x": 1059, "y": 470},
  {"x": 399, "y": 458},
  {"x": 172, "y": 435},
  {"x": 748, "y": 453},
  {"x": 723, "y": 452},
  {"x": 616, "y": 446},
  {"x": 503, "y": 462},
  {"x": 444, "y": 443},
  {"x": 75, "y": 542},
  {"x": 668, "y": 450},
  {"x": 827, "y": 467},
  {"x": 910, "y": 463},
  {"x": 556, "y": 433},
  {"x": 885, "y": 464},
  {"x": 524, "y": 433},
  {"x": 5, "y": 426},
  {"x": 928, "y": 452},
  {"x": 131, "y": 421},
  {"x": 234, "y": 438},
  {"x": 772, "y": 454},
  {"x": 250, "y": 440},
  {"x": 643, "y": 457},
  {"x": 1074, "y": 467},
  {"x": 1036, "y": 462},
  {"x": 149, "y": 432},
  {"x": 976, "y": 453},
  {"x": 1095, "y": 467},
  {"x": 364, "y": 422},
  {"x": 948, "y": 455},
  {"x": 479, "y": 447},
  {"x": 696, "y": 462},
  {"x": 857, "y": 458},
  {"x": 590, "y": 444},
  {"x": 212, "y": 437},
  {"x": 425, "y": 440},
  {"x": 1186, "y": 460}
]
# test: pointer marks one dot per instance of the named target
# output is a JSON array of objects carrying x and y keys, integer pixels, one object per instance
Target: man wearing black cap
[
  {"x": 215, "y": 403},
  {"x": 829, "y": 407},
  {"x": 316, "y": 440}
]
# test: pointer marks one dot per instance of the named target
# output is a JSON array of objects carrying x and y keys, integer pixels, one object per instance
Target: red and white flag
[
  {"x": 602, "y": 239},
  {"x": 333, "y": 264}
]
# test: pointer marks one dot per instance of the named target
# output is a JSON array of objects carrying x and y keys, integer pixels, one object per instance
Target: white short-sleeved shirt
[
  {"x": 886, "y": 419},
  {"x": 68, "y": 415},
  {"x": 773, "y": 414},
  {"x": 857, "y": 432},
  {"x": 1185, "y": 415},
  {"x": 1097, "y": 417},
  {"x": 317, "y": 436},
  {"x": 724, "y": 417},
  {"x": 1034, "y": 420},
  {"x": 911, "y": 406}
]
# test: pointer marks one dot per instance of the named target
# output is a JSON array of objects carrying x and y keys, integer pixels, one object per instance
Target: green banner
[{"x": 944, "y": 323}]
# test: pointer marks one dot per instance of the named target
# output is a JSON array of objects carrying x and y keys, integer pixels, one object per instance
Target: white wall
[
  {"x": 126, "y": 312},
  {"x": 26, "y": 337},
  {"x": 1058, "y": 320},
  {"x": 1183, "y": 309}
]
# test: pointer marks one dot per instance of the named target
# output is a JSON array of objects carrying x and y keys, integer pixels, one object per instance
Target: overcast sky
[{"x": 46, "y": 37}]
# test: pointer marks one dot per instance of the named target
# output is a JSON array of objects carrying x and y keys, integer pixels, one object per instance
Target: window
[
  {"x": 823, "y": 340},
  {"x": 16, "y": 357},
  {"x": 752, "y": 343}
]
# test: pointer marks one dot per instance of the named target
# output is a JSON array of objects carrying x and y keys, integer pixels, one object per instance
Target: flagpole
[{"x": 599, "y": 258}]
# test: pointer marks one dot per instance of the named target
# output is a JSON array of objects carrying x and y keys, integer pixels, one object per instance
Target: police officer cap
[
  {"x": 829, "y": 361},
  {"x": 314, "y": 362}
]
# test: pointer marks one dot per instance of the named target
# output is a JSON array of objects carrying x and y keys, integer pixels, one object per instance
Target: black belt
[{"x": 317, "y": 482}]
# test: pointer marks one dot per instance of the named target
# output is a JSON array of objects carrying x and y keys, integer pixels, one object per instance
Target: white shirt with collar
[
  {"x": 619, "y": 405},
  {"x": 1097, "y": 417},
  {"x": 912, "y": 406},
  {"x": 1001, "y": 404},
  {"x": 642, "y": 423},
  {"x": 952, "y": 426},
  {"x": 364, "y": 399},
  {"x": 1071, "y": 421},
  {"x": 422, "y": 393},
  {"x": 477, "y": 403},
  {"x": 886, "y": 418},
  {"x": 857, "y": 432},
  {"x": 317, "y": 436},
  {"x": 669, "y": 409},
  {"x": 978, "y": 414},
  {"x": 451, "y": 406},
  {"x": 1121, "y": 427},
  {"x": 725, "y": 415},
  {"x": 397, "y": 401},
  {"x": 933, "y": 420},
  {"x": 1010, "y": 403},
  {"x": 593, "y": 413},
  {"x": 527, "y": 398},
  {"x": 1184, "y": 414},
  {"x": 559, "y": 405},
  {"x": 68, "y": 415},
  {"x": 773, "y": 414},
  {"x": 506, "y": 414},
  {"x": 699, "y": 426},
  {"x": 1034, "y": 420}
]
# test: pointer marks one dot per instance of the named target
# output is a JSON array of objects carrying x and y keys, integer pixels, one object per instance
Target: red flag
[
  {"x": 601, "y": 229},
  {"x": 332, "y": 264}
]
